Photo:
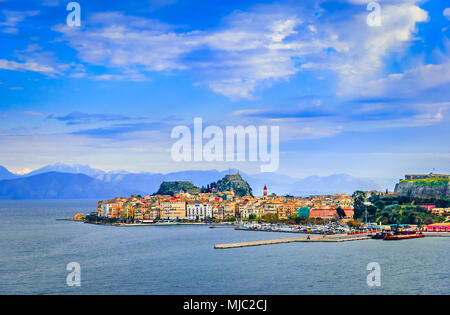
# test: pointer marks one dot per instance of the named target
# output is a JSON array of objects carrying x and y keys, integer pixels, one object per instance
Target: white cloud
[
  {"x": 251, "y": 49},
  {"x": 446, "y": 13},
  {"x": 33, "y": 113},
  {"x": 50, "y": 3},
  {"x": 13, "y": 18},
  {"x": 135, "y": 77},
  {"x": 118, "y": 41},
  {"x": 411, "y": 82},
  {"x": 361, "y": 50},
  {"x": 35, "y": 59},
  {"x": 246, "y": 52},
  {"x": 26, "y": 66}
]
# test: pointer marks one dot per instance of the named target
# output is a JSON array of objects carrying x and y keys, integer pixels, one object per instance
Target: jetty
[
  {"x": 436, "y": 234},
  {"x": 311, "y": 238}
]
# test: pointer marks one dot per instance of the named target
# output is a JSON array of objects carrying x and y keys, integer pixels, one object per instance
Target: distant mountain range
[
  {"x": 5, "y": 174},
  {"x": 61, "y": 181},
  {"x": 56, "y": 185},
  {"x": 64, "y": 168}
]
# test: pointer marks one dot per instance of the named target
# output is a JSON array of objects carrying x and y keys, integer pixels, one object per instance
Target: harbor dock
[
  {"x": 436, "y": 234},
  {"x": 312, "y": 238}
]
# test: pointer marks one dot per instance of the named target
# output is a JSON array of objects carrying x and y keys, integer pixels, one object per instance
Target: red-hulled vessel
[
  {"x": 397, "y": 234},
  {"x": 394, "y": 237}
]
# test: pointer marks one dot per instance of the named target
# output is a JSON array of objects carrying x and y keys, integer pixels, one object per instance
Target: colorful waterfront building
[
  {"x": 109, "y": 210},
  {"x": 428, "y": 207},
  {"x": 329, "y": 213},
  {"x": 173, "y": 209},
  {"x": 439, "y": 227},
  {"x": 303, "y": 212},
  {"x": 440, "y": 211},
  {"x": 127, "y": 212},
  {"x": 199, "y": 212}
]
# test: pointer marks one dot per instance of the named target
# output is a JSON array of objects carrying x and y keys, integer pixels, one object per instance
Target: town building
[
  {"x": 173, "y": 209},
  {"x": 199, "y": 212},
  {"x": 109, "y": 210},
  {"x": 303, "y": 212},
  {"x": 329, "y": 213},
  {"x": 441, "y": 212},
  {"x": 438, "y": 227},
  {"x": 223, "y": 206}
]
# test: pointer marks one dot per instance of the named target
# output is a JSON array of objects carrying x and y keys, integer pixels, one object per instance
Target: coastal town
[
  {"x": 231, "y": 200},
  {"x": 222, "y": 206}
]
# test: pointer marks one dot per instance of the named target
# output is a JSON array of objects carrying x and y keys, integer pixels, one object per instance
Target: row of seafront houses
[{"x": 221, "y": 206}]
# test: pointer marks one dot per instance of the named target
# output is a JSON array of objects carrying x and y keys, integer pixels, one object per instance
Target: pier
[
  {"x": 436, "y": 234},
  {"x": 313, "y": 238}
]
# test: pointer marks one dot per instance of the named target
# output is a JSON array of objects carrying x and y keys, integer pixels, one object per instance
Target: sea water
[{"x": 35, "y": 250}]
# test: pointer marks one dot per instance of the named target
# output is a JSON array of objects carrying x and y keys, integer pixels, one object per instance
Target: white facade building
[
  {"x": 107, "y": 209},
  {"x": 199, "y": 212}
]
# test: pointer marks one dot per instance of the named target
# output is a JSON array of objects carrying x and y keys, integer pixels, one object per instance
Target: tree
[
  {"x": 340, "y": 212},
  {"x": 270, "y": 217},
  {"x": 428, "y": 220},
  {"x": 353, "y": 223},
  {"x": 359, "y": 197}
]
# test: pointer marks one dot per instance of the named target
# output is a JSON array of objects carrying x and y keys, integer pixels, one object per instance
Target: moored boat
[{"x": 402, "y": 236}]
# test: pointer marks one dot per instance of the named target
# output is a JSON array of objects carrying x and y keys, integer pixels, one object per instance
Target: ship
[
  {"x": 394, "y": 237},
  {"x": 397, "y": 234}
]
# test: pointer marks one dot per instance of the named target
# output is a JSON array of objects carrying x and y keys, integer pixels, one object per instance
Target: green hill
[
  {"x": 235, "y": 183},
  {"x": 171, "y": 188}
]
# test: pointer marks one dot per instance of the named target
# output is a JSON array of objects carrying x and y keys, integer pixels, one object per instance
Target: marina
[{"x": 329, "y": 228}]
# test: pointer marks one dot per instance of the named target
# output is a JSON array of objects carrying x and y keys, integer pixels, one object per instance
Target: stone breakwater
[{"x": 315, "y": 238}]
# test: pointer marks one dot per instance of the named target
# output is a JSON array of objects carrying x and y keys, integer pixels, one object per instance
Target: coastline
[{"x": 215, "y": 225}]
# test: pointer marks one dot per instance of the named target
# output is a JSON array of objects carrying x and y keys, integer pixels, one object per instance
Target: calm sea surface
[{"x": 35, "y": 250}]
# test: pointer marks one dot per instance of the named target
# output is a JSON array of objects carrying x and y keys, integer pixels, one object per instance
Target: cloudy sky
[{"x": 370, "y": 101}]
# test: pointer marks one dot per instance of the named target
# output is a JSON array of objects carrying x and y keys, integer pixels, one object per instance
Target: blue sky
[{"x": 348, "y": 97}]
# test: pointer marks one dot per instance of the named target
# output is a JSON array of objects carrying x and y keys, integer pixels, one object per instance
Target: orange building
[
  {"x": 173, "y": 209},
  {"x": 329, "y": 213},
  {"x": 439, "y": 227}
]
